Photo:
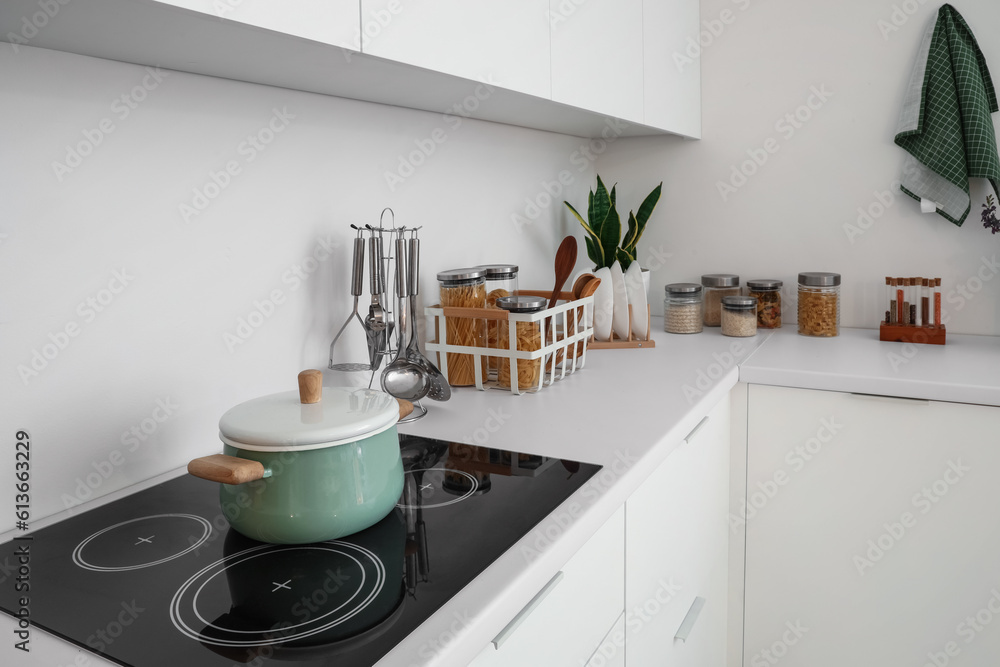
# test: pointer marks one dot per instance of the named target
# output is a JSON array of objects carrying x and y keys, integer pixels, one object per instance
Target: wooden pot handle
[
  {"x": 310, "y": 386},
  {"x": 226, "y": 469},
  {"x": 405, "y": 407}
]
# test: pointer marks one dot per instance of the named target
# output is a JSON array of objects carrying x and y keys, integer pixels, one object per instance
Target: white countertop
[{"x": 627, "y": 410}]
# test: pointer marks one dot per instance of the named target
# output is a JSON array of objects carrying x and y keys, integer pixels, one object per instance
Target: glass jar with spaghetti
[
  {"x": 768, "y": 295},
  {"x": 464, "y": 288},
  {"x": 501, "y": 281},
  {"x": 819, "y": 304},
  {"x": 528, "y": 339}
]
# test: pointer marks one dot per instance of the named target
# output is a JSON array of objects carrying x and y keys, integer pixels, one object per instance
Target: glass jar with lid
[
  {"x": 739, "y": 316},
  {"x": 819, "y": 304},
  {"x": 528, "y": 339},
  {"x": 767, "y": 291},
  {"x": 501, "y": 281},
  {"x": 716, "y": 286},
  {"x": 464, "y": 288},
  {"x": 682, "y": 308}
]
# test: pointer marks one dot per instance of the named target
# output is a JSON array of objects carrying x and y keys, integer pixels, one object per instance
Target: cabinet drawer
[{"x": 577, "y": 611}]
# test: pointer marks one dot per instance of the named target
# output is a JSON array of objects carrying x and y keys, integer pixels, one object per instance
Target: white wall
[
  {"x": 160, "y": 338},
  {"x": 796, "y": 211}
]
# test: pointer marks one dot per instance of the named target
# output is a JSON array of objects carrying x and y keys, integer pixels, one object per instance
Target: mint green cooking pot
[{"x": 308, "y": 466}]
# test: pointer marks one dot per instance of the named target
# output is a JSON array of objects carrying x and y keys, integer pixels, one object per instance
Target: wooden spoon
[
  {"x": 580, "y": 283},
  {"x": 565, "y": 261}
]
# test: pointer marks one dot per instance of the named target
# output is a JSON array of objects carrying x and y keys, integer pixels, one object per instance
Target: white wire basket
[{"x": 561, "y": 355}]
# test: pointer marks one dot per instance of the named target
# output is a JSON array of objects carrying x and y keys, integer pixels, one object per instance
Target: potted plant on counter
[{"x": 624, "y": 282}]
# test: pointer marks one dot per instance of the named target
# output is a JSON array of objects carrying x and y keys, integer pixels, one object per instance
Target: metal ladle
[
  {"x": 439, "y": 389},
  {"x": 403, "y": 378}
]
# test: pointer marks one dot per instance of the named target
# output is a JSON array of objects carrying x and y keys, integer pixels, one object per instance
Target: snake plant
[{"x": 604, "y": 228}]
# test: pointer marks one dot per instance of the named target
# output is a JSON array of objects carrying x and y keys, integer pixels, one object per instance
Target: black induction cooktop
[{"x": 160, "y": 579}]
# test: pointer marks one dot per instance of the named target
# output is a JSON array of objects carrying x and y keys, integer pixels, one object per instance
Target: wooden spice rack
[{"x": 908, "y": 333}]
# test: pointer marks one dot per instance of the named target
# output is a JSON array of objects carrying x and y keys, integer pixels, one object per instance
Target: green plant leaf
[
  {"x": 594, "y": 252},
  {"x": 625, "y": 258},
  {"x": 611, "y": 234},
  {"x": 632, "y": 235},
  {"x": 601, "y": 204}
]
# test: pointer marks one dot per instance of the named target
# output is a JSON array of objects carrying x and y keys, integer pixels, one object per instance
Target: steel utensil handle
[
  {"x": 414, "y": 266},
  {"x": 401, "y": 273},
  {"x": 358, "y": 270},
  {"x": 375, "y": 259}
]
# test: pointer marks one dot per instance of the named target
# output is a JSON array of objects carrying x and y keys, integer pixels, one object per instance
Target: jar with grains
[
  {"x": 464, "y": 288},
  {"x": 739, "y": 316},
  {"x": 529, "y": 339},
  {"x": 819, "y": 304},
  {"x": 718, "y": 285},
  {"x": 501, "y": 281},
  {"x": 682, "y": 308},
  {"x": 768, "y": 295}
]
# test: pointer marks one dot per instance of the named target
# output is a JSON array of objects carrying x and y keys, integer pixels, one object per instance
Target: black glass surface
[{"x": 159, "y": 577}]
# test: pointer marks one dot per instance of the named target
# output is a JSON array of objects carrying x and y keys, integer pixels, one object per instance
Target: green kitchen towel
[{"x": 945, "y": 124}]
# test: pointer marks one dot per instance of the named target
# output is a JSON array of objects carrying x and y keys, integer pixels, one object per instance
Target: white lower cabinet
[
  {"x": 676, "y": 539},
  {"x": 873, "y": 531},
  {"x": 570, "y": 617}
]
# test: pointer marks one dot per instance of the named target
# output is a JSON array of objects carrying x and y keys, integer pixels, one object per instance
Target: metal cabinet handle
[
  {"x": 697, "y": 428},
  {"x": 689, "y": 620},
  {"x": 505, "y": 634}
]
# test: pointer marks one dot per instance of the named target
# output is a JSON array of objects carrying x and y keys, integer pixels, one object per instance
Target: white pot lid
[{"x": 281, "y": 423}]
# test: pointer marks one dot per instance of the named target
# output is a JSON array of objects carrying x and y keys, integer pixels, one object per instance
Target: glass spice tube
[
  {"x": 925, "y": 314},
  {"x": 819, "y": 304},
  {"x": 892, "y": 300},
  {"x": 888, "y": 300},
  {"x": 464, "y": 288},
  {"x": 937, "y": 302},
  {"x": 716, "y": 286},
  {"x": 768, "y": 295},
  {"x": 900, "y": 296}
]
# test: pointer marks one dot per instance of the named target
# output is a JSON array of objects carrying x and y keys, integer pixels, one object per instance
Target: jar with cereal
[
  {"x": 739, "y": 316},
  {"x": 819, "y": 304},
  {"x": 716, "y": 286},
  {"x": 682, "y": 308}
]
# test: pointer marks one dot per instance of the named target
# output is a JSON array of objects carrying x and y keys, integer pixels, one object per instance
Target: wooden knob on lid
[{"x": 310, "y": 386}]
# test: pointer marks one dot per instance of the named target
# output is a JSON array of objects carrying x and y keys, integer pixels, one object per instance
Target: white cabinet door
[
  {"x": 676, "y": 544},
  {"x": 872, "y": 531},
  {"x": 578, "y": 611},
  {"x": 329, "y": 21},
  {"x": 611, "y": 652},
  {"x": 672, "y": 79},
  {"x": 597, "y": 56},
  {"x": 502, "y": 43}
]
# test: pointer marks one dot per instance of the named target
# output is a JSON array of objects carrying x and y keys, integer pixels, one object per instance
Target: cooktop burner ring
[
  {"x": 80, "y": 561},
  {"x": 473, "y": 487},
  {"x": 178, "y": 604}
]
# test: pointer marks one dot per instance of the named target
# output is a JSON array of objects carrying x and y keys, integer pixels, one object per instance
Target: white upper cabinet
[
  {"x": 597, "y": 56},
  {"x": 672, "y": 78},
  {"x": 502, "y": 43},
  {"x": 328, "y": 21}
]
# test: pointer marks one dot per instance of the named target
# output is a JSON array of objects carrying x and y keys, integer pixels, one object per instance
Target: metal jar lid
[
  {"x": 819, "y": 279},
  {"x": 461, "y": 275},
  {"x": 764, "y": 284},
  {"x": 739, "y": 302},
  {"x": 720, "y": 280},
  {"x": 499, "y": 271},
  {"x": 522, "y": 304},
  {"x": 682, "y": 289}
]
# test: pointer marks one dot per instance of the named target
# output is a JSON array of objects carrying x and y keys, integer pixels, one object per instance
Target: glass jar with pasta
[
  {"x": 529, "y": 339},
  {"x": 819, "y": 304},
  {"x": 501, "y": 281},
  {"x": 768, "y": 295},
  {"x": 464, "y": 288}
]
